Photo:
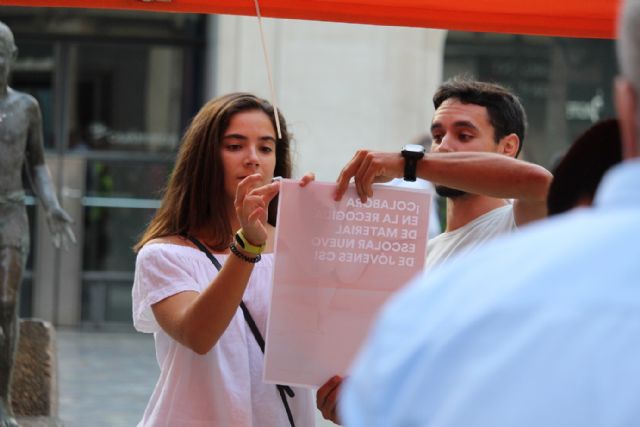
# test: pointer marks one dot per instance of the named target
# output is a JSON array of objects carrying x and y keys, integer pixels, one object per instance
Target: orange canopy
[{"x": 570, "y": 18}]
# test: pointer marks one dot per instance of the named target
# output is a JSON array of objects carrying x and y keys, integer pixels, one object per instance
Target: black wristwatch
[{"x": 411, "y": 153}]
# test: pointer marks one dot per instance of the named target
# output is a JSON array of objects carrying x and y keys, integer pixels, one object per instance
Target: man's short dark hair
[{"x": 506, "y": 113}]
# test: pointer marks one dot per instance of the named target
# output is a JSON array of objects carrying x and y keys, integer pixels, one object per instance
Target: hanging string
[{"x": 266, "y": 60}]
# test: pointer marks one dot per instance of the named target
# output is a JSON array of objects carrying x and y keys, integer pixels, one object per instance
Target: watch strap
[
  {"x": 410, "y": 165},
  {"x": 246, "y": 246},
  {"x": 411, "y": 154}
]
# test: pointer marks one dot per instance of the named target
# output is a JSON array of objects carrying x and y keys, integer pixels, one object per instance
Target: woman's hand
[
  {"x": 307, "y": 178},
  {"x": 252, "y": 204}
]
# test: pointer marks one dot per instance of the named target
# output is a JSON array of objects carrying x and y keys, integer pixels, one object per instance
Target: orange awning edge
[{"x": 569, "y": 19}]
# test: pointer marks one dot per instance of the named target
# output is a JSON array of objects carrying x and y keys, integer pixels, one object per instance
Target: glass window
[
  {"x": 128, "y": 98},
  {"x": 110, "y": 234},
  {"x": 106, "y": 301},
  {"x": 134, "y": 178},
  {"x": 120, "y": 199},
  {"x": 33, "y": 73}
]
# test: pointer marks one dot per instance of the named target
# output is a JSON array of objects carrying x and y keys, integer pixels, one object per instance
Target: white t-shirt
[
  {"x": 223, "y": 387},
  {"x": 469, "y": 236},
  {"x": 422, "y": 184}
]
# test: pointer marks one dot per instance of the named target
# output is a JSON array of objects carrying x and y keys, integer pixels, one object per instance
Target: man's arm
[
  {"x": 488, "y": 174},
  {"x": 58, "y": 220},
  {"x": 493, "y": 175}
]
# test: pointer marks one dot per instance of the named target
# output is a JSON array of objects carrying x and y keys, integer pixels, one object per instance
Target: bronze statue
[{"x": 21, "y": 148}]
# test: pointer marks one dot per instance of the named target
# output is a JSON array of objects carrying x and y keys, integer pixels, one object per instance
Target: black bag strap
[
  {"x": 204, "y": 249},
  {"x": 283, "y": 389}
]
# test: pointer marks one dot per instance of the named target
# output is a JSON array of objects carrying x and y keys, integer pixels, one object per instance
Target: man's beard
[{"x": 449, "y": 192}]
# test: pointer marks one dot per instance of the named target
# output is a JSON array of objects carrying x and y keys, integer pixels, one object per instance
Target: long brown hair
[{"x": 194, "y": 195}]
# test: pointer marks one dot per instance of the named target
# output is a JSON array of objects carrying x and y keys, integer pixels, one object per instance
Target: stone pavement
[{"x": 106, "y": 378}]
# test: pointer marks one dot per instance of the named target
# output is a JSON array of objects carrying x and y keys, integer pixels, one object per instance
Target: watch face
[{"x": 413, "y": 149}]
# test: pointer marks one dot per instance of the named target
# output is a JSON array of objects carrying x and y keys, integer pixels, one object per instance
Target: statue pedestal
[{"x": 34, "y": 393}]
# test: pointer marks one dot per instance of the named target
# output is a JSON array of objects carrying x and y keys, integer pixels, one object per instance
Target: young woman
[{"x": 216, "y": 208}]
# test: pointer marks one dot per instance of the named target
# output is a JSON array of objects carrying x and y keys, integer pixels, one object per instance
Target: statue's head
[{"x": 8, "y": 50}]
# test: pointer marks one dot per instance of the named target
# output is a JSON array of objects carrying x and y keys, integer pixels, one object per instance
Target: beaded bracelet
[{"x": 236, "y": 252}]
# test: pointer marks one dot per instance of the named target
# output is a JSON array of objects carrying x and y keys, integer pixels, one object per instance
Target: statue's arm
[
  {"x": 35, "y": 164},
  {"x": 58, "y": 220}
]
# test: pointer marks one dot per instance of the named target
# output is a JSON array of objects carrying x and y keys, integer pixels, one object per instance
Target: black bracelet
[{"x": 236, "y": 252}]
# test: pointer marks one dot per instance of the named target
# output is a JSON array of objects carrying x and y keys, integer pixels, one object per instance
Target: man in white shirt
[
  {"x": 477, "y": 130},
  {"x": 539, "y": 328}
]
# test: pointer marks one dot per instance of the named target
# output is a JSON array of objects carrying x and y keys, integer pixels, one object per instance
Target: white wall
[{"x": 340, "y": 86}]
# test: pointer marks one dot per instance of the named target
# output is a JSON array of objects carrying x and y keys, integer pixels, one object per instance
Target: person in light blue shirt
[{"x": 539, "y": 328}]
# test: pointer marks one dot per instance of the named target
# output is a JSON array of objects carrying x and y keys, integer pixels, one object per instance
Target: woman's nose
[{"x": 252, "y": 158}]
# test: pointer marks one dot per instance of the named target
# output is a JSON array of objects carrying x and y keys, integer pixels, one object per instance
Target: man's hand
[
  {"x": 60, "y": 227},
  {"x": 368, "y": 167},
  {"x": 327, "y": 398}
]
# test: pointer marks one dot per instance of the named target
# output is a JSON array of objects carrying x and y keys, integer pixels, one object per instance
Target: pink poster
[{"x": 336, "y": 263}]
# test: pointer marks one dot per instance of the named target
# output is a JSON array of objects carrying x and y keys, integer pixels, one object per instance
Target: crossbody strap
[
  {"x": 283, "y": 389},
  {"x": 204, "y": 249}
]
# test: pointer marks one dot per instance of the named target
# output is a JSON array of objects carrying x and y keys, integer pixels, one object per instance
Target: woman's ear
[
  {"x": 626, "y": 99},
  {"x": 509, "y": 145}
]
